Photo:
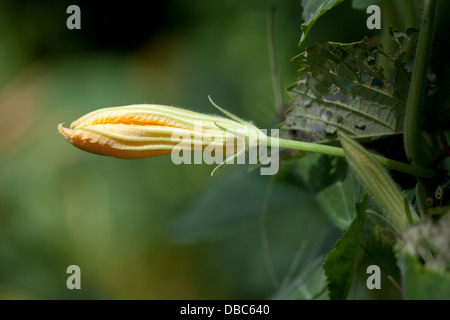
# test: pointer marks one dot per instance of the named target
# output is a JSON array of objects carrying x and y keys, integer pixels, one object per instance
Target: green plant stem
[
  {"x": 339, "y": 152},
  {"x": 413, "y": 133},
  {"x": 411, "y": 21},
  {"x": 273, "y": 63},
  {"x": 390, "y": 18}
]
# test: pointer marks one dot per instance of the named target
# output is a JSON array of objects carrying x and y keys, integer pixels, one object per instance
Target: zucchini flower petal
[{"x": 140, "y": 131}]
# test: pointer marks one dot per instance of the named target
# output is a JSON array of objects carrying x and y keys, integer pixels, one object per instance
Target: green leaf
[
  {"x": 298, "y": 235},
  {"x": 335, "y": 187},
  {"x": 340, "y": 264},
  {"x": 424, "y": 259},
  {"x": 232, "y": 201},
  {"x": 341, "y": 88},
  {"x": 429, "y": 241},
  {"x": 214, "y": 214},
  {"x": 377, "y": 249},
  {"x": 312, "y": 10},
  {"x": 420, "y": 282},
  {"x": 363, "y": 4},
  {"x": 310, "y": 284}
]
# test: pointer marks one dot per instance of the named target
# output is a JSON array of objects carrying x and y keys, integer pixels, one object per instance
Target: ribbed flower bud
[{"x": 140, "y": 131}]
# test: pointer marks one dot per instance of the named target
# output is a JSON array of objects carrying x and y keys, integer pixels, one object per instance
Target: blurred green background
[{"x": 148, "y": 229}]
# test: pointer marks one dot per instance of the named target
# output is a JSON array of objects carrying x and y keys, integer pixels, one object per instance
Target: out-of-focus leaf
[
  {"x": 297, "y": 235},
  {"x": 305, "y": 279},
  {"x": 232, "y": 201},
  {"x": 429, "y": 241},
  {"x": 335, "y": 187},
  {"x": 420, "y": 282},
  {"x": 340, "y": 264},
  {"x": 424, "y": 260},
  {"x": 310, "y": 284},
  {"x": 341, "y": 87},
  {"x": 363, "y": 4},
  {"x": 312, "y": 10}
]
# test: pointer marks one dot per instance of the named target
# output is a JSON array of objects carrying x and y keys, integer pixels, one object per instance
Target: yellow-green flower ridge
[{"x": 148, "y": 130}]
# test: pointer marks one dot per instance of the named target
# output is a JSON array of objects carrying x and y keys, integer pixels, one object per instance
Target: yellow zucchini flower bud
[{"x": 149, "y": 130}]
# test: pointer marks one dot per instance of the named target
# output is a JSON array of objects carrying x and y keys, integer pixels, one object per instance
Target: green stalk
[
  {"x": 389, "y": 18},
  {"x": 411, "y": 21},
  {"x": 273, "y": 63},
  {"x": 339, "y": 152},
  {"x": 413, "y": 134}
]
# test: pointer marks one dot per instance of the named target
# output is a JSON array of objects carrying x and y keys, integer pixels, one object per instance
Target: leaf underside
[{"x": 341, "y": 88}]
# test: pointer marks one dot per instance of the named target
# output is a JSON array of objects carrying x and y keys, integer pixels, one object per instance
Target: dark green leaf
[
  {"x": 230, "y": 202},
  {"x": 312, "y": 10},
  {"x": 335, "y": 187},
  {"x": 309, "y": 284},
  {"x": 377, "y": 245},
  {"x": 420, "y": 282},
  {"x": 340, "y": 264},
  {"x": 424, "y": 260},
  {"x": 363, "y": 4}
]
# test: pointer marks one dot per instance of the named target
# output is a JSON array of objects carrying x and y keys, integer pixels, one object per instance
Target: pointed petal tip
[
  {"x": 62, "y": 131},
  {"x": 65, "y": 132}
]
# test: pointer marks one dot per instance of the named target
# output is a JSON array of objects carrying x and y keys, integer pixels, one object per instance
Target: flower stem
[{"x": 339, "y": 152}]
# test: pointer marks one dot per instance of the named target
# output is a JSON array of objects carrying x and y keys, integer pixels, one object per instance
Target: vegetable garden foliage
[
  {"x": 342, "y": 88},
  {"x": 362, "y": 90},
  {"x": 351, "y": 94}
]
